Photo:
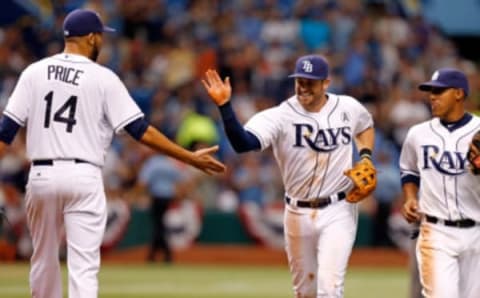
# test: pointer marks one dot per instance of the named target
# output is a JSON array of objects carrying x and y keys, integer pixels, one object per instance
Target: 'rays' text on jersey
[
  {"x": 322, "y": 140},
  {"x": 68, "y": 75},
  {"x": 446, "y": 162}
]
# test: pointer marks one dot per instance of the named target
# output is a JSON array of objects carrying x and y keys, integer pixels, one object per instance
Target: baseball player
[
  {"x": 71, "y": 107},
  {"x": 441, "y": 192},
  {"x": 311, "y": 134}
]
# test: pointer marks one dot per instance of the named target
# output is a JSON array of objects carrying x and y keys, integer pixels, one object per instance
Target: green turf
[{"x": 181, "y": 281}]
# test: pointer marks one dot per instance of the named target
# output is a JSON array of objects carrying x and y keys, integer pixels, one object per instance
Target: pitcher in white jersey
[
  {"x": 441, "y": 193},
  {"x": 71, "y": 107},
  {"x": 312, "y": 135}
]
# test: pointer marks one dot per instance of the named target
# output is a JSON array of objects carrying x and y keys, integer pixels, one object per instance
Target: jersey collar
[
  {"x": 451, "y": 126},
  {"x": 72, "y": 57}
]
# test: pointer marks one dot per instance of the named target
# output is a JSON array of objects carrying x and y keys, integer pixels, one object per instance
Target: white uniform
[
  {"x": 448, "y": 257},
  {"x": 71, "y": 107},
  {"x": 312, "y": 151}
]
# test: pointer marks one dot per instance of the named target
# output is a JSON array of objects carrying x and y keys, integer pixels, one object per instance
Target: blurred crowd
[{"x": 378, "y": 53}]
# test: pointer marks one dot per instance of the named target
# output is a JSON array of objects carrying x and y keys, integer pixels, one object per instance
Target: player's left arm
[
  {"x": 363, "y": 173},
  {"x": 3, "y": 148},
  {"x": 201, "y": 159},
  {"x": 365, "y": 141},
  {"x": 123, "y": 113},
  {"x": 363, "y": 130}
]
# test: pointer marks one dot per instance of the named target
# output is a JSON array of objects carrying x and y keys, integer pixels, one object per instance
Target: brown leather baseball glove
[
  {"x": 473, "y": 154},
  {"x": 364, "y": 177}
]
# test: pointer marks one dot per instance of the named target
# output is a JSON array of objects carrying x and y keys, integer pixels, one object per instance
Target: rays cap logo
[
  {"x": 313, "y": 67},
  {"x": 446, "y": 78},
  {"x": 81, "y": 22}
]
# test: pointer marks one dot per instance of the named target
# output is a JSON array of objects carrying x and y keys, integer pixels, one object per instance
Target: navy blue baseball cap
[
  {"x": 82, "y": 22},
  {"x": 313, "y": 67},
  {"x": 446, "y": 78}
]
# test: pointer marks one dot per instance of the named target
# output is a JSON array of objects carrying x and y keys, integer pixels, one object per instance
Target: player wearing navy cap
[
  {"x": 81, "y": 22},
  {"x": 441, "y": 193},
  {"x": 71, "y": 107},
  {"x": 312, "y": 135}
]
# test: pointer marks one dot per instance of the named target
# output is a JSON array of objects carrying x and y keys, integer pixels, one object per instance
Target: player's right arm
[
  {"x": 410, "y": 179},
  {"x": 8, "y": 131},
  {"x": 220, "y": 92},
  {"x": 15, "y": 113},
  {"x": 410, "y": 203}
]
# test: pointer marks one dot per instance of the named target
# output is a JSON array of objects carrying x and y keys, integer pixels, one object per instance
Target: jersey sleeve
[
  {"x": 365, "y": 119},
  {"x": 266, "y": 126},
  {"x": 408, "y": 157},
  {"x": 120, "y": 107},
  {"x": 19, "y": 102}
]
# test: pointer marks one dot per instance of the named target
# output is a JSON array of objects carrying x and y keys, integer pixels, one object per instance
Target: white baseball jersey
[
  {"x": 312, "y": 149},
  {"x": 71, "y": 106},
  {"x": 439, "y": 156}
]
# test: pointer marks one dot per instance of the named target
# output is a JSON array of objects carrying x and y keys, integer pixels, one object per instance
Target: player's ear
[
  {"x": 91, "y": 39},
  {"x": 459, "y": 94},
  {"x": 326, "y": 83}
]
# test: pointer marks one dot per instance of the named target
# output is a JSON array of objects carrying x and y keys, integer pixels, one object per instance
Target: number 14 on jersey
[{"x": 64, "y": 114}]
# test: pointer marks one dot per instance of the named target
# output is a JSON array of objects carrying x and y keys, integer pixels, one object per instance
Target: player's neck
[
  {"x": 76, "y": 49},
  {"x": 453, "y": 118},
  {"x": 453, "y": 125},
  {"x": 454, "y": 115}
]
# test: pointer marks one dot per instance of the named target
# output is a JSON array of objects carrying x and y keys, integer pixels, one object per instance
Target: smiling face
[{"x": 311, "y": 93}]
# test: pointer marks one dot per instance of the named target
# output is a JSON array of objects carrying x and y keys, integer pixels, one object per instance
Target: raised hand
[{"x": 220, "y": 91}]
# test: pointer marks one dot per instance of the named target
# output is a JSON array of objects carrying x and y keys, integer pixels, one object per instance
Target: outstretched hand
[
  {"x": 205, "y": 162},
  {"x": 220, "y": 91}
]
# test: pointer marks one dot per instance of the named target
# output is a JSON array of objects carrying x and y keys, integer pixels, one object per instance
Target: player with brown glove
[
  {"x": 473, "y": 154},
  {"x": 364, "y": 177}
]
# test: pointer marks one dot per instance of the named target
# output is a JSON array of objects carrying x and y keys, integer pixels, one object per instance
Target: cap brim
[
  {"x": 108, "y": 29},
  {"x": 305, "y": 76},
  {"x": 427, "y": 86}
]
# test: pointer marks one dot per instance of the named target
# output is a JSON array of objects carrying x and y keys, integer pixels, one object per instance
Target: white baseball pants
[
  {"x": 65, "y": 195},
  {"x": 449, "y": 261},
  {"x": 318, "y": 245}
]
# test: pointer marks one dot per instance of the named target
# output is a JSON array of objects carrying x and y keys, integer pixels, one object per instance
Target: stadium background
[{"x": 378, "y": 50}]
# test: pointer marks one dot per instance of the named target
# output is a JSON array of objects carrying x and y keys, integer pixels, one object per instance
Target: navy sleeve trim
[
  {"x": 14, "y": 118},
  {"x": 410, "y": 179},
  {"x": 8, "y": 129},
  {"x": 137, "y": 128},
  {"x": 240, "y": 139},
  {"x": 127, "y": 121}
]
